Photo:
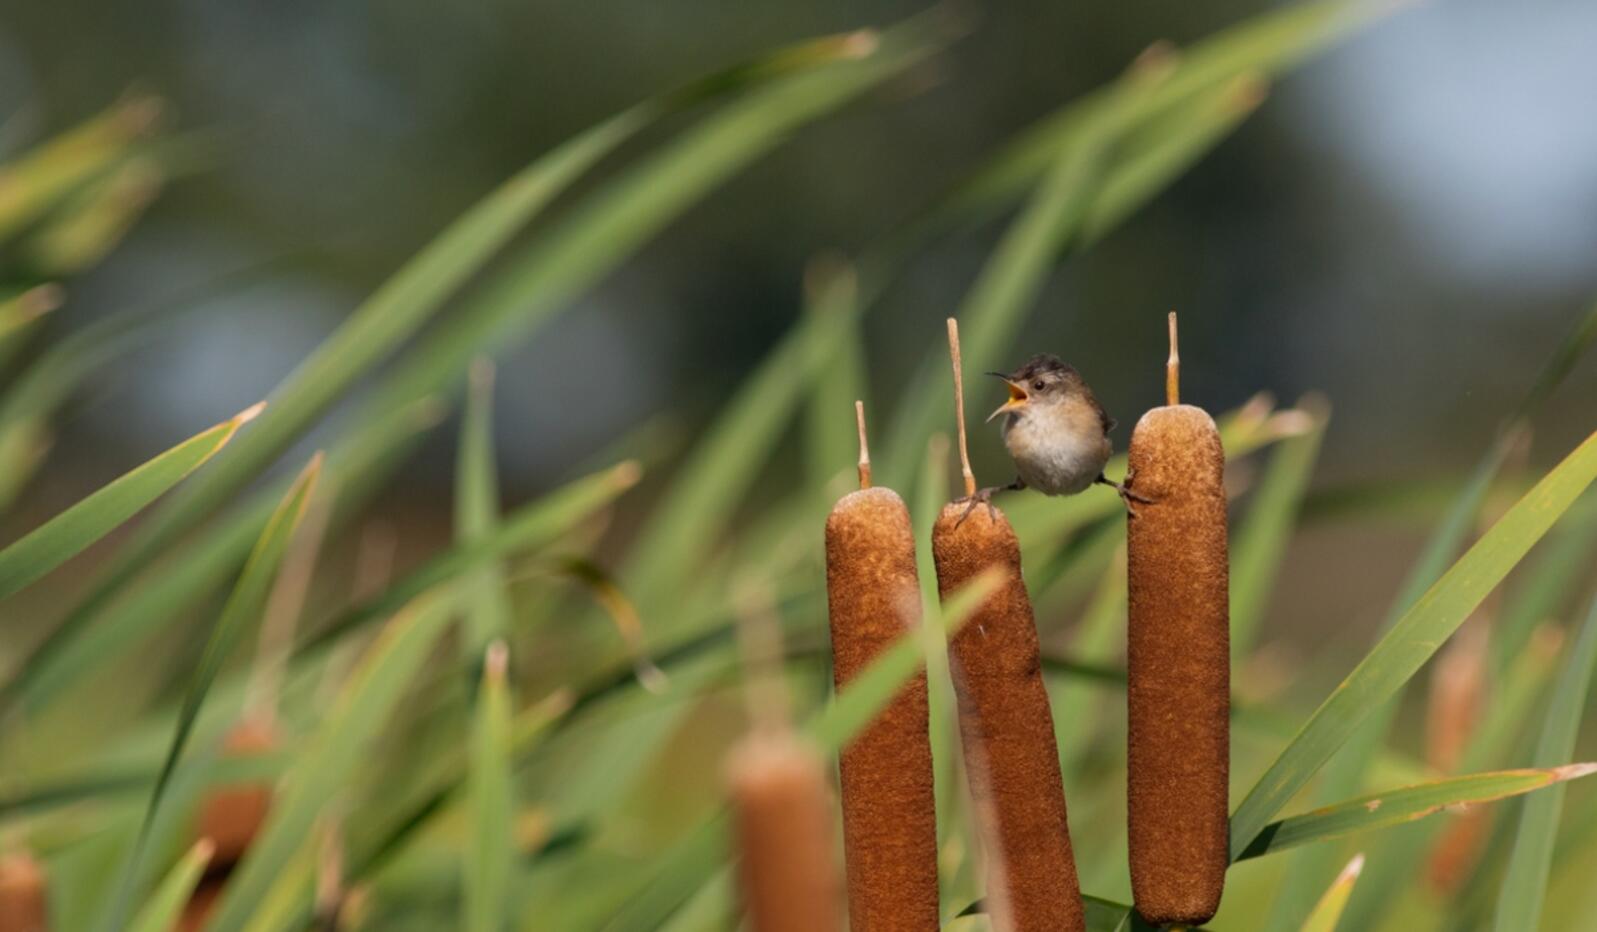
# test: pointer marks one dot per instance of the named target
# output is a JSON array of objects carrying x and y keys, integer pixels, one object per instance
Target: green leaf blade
[{"x": 1412, "y": 641}]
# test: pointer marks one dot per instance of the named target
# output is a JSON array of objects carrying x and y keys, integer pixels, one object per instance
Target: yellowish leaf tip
[
  {"x": 40, "y": 300},
  {"x": 861, "y": 43},
  {"x": 1247, "y": 91},
  {"x": 482, "y": 374},
  {"x": 1574, "y": 771},
  {"x": 1351, "y": 872},
  {"x": 249, "y": 414},
  {"x": 203, "y": 850},
  {"x": 626, "y": 474},
  {"x": 495, "y": 662}
]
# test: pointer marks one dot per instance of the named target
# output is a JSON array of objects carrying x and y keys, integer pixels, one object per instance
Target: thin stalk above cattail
[
  {"x": 1178, "y": 661},
  {"x": 1006, "y": 725},
  {"x": 889, "y": 802}
]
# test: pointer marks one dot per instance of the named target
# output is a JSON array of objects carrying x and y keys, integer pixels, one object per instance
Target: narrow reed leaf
[
  {"x": 485, "y": 871},
  {"x": 1184, "y": 140},
  {"x": 161, "y": 911},
  {"x": 1328, "y": 912},
  {"x": 477, "y": 514},
  {"x": 532, "y": 525},
  {"x": 724, "y": 464},
  {"x": 562, "y": 263},
  {"x": 1520, "y": 901},
  {"x": 68, "y": 533},
  {"x": 86, "y": 228},
  {"x": 1546, "y": 588},
  {"x": 1413, "y": 639},
  {"x": 1259, "y": 544},
  {"x": 333, "y": 753},
  {"x": 19, "y": 318},
  {"x": 1384, "y": 810},
  {"x": 78, "y": 646},
  {"x": 34, "y": 184},
  {"x": 1269, "y": 44},
  {"x": 243, "y": 607},
  {"x": 1346, "y": 773}
]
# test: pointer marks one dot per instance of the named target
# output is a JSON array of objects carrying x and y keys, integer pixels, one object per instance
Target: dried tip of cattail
[
  {"x": 40, "y": 300},
  {"x": 481, "y": 374},
  {"x": 1156, "y": 62},
  {"x": 1574, "y": 771},
  {"x": 140, "y": 112},
  {"x": 1172, "y": 367},
  {"x": 1256, "y": 410},
  {"x": 864, "y": 446},
  {"x": 428, "y": 412},
  {"x": 959, "y": 407},
  {"x": 495, "y": 661},
  {"x": 649, "y": 675}
]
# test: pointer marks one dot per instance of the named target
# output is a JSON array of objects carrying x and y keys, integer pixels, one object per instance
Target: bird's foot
[
  {"x": 1126, "y": 495},
  {"x": 982, "y": 497}
]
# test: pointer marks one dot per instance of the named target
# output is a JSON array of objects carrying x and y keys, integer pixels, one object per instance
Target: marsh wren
[{"x": 1055, "y": 430}]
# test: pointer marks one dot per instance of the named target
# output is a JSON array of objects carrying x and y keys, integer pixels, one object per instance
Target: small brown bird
[{"x": 1056, "y": 431}]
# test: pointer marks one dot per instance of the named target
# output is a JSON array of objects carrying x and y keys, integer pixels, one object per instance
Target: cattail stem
[
  {"x": 959, "y": 408},
  {"x": 1172, "y": 368},
  {"x": 864, "y": 447}
]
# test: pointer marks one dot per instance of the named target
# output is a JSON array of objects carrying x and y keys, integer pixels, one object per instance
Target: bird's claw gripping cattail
[
  {"x": 1178, "y": 663},
  {"x": 1006, "y": 725},
  {"x": 889, "y": 807}
]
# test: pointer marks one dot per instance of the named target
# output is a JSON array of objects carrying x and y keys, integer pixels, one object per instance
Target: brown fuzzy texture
[
  {"x": 889, "y": 806},
  {"x": 24, "y": 899},
  {"x": 231, "y": 816},
  {"x": 1178, "y": 667},
  {"x": 783, "y": 819},
  {"x": 1008, "y": 731}
]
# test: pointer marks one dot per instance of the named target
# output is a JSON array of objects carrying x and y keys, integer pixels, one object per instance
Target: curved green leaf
[
  {"x": 161, "y": 911},
  {"x": 1415, "y": 637},
  {"x": 1519, "y": 903},
  {"x": 1384, "y": 810},
  {"x": 68, "y": 533}
]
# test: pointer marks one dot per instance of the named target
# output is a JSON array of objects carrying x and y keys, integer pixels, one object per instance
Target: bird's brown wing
[{"x": 1103, "y": 416}]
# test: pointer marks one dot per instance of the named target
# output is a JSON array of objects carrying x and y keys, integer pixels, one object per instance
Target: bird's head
[{"x": 1042, "y": 382}]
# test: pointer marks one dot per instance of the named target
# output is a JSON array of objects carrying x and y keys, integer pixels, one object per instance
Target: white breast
[{"x": 1055, "y": 462}]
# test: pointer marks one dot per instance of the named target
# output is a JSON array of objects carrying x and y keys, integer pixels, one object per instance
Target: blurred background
[{"x": 1408, "y": 225}]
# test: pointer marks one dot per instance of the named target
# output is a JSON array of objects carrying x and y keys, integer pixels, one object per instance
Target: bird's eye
[{"x": 1038, "y": 385}]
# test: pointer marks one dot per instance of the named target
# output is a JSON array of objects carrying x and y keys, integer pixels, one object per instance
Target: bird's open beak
[{"x": 1017, "y": 397}]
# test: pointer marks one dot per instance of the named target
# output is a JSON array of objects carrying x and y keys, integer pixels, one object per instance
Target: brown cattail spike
[
  {"x": 864, "y": 447},
  {"x": 783, "y": 819},
  {"x": 24, "y": 900},
  {"x": 231, "y": 816},
  {"x": 959, "y": 408},
  {"x": 1178, "y": 662},
  {"x": 1007, "y": 731},
  {"x": 889, "y": 802},
  {"x": 782, "y": 811}
]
